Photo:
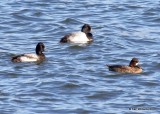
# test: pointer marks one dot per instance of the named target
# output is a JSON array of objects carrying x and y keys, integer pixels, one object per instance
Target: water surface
[{"x": 74, "y": 79}]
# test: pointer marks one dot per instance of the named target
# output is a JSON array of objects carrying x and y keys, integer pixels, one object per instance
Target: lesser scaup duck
[
  {"x": 84, "y": 36},
  {"x": 39, "y": 56},
  {"x": 132, "y": 68}
]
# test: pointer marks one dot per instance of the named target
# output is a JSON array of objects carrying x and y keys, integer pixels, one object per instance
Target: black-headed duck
[
  {"x": 84, "y": 36},
  {"x": 132, "y": 68},
  {"x": 39, "y": 56}
]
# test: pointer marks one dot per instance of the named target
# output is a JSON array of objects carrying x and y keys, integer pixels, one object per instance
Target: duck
[
  {"x": 84, "y": 36},
  {"x": 133, "y": 67},
  {"x": 29, "y": 57}
]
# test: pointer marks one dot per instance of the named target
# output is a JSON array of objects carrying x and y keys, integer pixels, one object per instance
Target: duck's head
[
  {"x": 134, "y": 62},
  {"x": 86, "y": 28},
  {"x": 40, "y": 48}
]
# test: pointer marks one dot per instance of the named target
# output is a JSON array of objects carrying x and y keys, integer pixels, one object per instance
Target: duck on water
[
  {"x": 133, "y": 67},
  {"x": 30, "y": 57},
  {"x": 84, "y": 36}
]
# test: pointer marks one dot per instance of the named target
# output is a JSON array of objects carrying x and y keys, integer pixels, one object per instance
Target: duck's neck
[
  {"x": 132, "y": 64},
  {"x": 89, "y": 36},
  {"x": 39, "y": 53},
  {"x": 85, "y": 31}
]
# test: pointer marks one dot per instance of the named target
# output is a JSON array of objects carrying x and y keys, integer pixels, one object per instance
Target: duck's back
[{"x": 118, "y": 68}]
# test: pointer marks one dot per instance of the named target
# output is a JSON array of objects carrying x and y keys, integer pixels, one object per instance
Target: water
[{"x": 74, "y": 79}]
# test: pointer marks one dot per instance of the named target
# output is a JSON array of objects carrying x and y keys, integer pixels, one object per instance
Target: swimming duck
[
  {"x": 132, "y": 68},
  {"x": 39, "y": 56},
  {"x": 84, "y": 36}
]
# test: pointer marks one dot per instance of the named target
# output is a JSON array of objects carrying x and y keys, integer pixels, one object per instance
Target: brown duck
[{"x": 132, "y": 68}]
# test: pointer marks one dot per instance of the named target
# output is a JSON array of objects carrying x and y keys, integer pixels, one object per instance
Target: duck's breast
[{"x": 136, "y": 70}]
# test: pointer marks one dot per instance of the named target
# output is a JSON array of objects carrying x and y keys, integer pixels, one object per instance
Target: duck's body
[
  {"x": 39, "y": 56},
  {"x": 76, "y": 37},
  {"x": 132, "y": 68},
  {"x": 84, "y": 36},
  {"x": 125, "y": 69},
  {"x": 28, "y": 58}
]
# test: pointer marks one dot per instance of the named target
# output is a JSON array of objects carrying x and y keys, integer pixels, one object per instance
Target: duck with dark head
[
  {"x": 29, "y": 57},
  {"x": 84, "y": 36},
  {"x": 131, "y": 68}
]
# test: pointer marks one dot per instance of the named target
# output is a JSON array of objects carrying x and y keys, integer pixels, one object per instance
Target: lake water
[{"x": 74, "y": 79}]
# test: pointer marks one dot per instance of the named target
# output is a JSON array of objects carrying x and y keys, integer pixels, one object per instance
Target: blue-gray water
[{"x": 74, "y": 79}]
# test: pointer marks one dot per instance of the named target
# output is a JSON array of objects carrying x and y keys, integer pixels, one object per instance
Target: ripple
[
  {"x": 28, "y": 18},
  {"x": 150, "y": 83},
  {"x": 70, "y": 21},
  {"x": 70, "y": 86},
  {"x": 101, "y": 95}
]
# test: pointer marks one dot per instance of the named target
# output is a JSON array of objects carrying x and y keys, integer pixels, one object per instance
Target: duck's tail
[
  {"x": 108, "y": 65},
  {"x": 64, "y": 39}
]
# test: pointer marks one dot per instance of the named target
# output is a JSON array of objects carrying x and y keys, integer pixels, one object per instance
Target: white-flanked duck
[
  {"x": 39, "y": 56},
  {"x": 84, "y": 36}
]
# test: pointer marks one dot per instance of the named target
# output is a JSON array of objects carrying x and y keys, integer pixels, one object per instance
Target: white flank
[
  {"x": 29, "y": 58},
  {"x": 78, "y": 37}
]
